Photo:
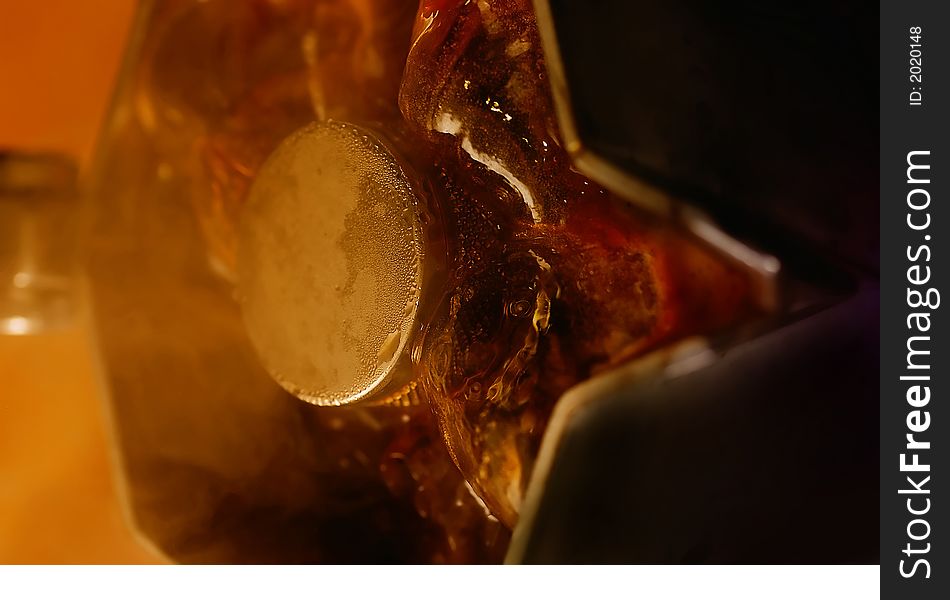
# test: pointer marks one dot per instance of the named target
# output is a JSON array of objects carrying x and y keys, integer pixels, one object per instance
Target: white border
[{"x": 449, "y": 583}]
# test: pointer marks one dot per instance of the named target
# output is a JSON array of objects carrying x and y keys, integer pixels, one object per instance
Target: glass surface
[
  {"x": 541, "y": 279},
  {"x": 39, "y": 264}
]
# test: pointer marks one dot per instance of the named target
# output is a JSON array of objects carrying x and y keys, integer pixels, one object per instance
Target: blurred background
[{"x": 59, "y": 500}]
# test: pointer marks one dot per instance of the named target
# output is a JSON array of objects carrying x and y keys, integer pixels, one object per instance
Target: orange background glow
[{"x": 59, "y": 502}]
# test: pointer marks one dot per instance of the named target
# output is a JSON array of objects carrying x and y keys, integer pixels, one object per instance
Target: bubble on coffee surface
[{"x": 329, "y": 263}]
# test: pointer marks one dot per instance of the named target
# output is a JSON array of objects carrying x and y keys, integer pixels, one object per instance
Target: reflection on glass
[{"x": 39, "y": 281}]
